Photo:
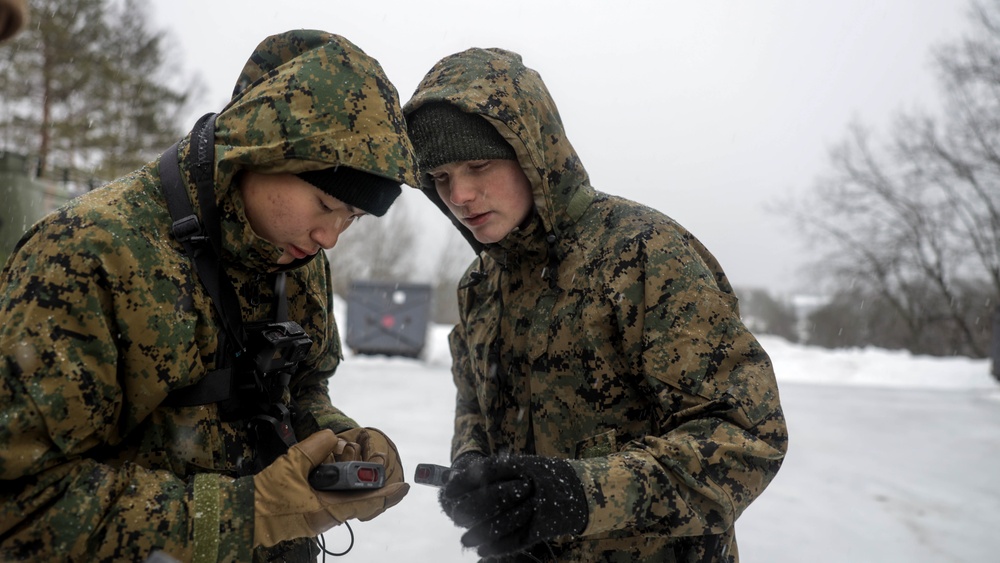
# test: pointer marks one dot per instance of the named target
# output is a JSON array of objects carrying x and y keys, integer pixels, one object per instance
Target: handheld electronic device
[
  {"x": 431, "y": 474},
  {"x": 347, "y": 476}
]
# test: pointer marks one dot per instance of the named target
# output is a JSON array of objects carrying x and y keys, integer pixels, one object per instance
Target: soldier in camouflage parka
[
  {"x": 604, "y": 333},
  {"x": 103, "y": 315}
]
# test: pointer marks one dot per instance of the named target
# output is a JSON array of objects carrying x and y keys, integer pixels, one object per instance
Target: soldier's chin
[{"x": 488, "y": 236}]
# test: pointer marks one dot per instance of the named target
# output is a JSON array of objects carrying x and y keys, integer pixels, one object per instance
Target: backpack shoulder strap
[{"x": 205, "y": 254}]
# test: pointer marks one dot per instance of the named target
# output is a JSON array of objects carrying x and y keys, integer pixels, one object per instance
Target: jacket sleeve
[
  {"x": 313, "y": 398},
  {"x": 720, "y": 434},
  {"x": 63, "y": 402},
  {"x": 470, "y": 427},
  {"x": 310, "y": 388}
]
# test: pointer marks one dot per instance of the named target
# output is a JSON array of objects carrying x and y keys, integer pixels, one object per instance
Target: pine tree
[{"x": 84, "y": 88}]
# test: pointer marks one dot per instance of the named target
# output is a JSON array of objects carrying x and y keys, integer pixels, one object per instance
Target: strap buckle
[{"x": 188, "y": 229}]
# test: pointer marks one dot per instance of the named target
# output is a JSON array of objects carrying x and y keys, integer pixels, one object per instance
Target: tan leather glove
[
  {"x": 373, "y": 445},
  {"x": 286, "y": 507}
]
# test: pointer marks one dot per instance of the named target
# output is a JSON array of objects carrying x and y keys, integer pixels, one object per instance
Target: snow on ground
[{"x": 892, "y": 458}]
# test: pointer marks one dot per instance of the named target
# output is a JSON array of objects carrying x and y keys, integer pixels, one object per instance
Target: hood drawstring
[{"x": 475, "y": 277}]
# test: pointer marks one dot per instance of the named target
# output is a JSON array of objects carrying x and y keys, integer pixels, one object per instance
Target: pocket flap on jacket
[{"x": 599, "y": 445}]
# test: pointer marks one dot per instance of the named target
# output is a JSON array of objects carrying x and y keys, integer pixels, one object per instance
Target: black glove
[
  {"x": 512, "y": 503},
  {"x": 464, "y": 462}
]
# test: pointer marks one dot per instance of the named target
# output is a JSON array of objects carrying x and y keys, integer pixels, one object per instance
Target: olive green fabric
[
  {"x": 605, "y": 333},
  {"x": 103, "y": 315}
]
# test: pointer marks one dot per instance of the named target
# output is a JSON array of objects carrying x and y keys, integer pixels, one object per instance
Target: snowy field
[{"x": 892, "y": 458}]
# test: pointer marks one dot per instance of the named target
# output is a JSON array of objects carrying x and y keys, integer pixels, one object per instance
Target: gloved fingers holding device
[
  {"x": 509, "y": 503},
  {"x": 366, "y": 478},
  {"x": 288, "y": 506},
  {"x": 371, "y": 445},
  {"x": 439, "y": 476}
]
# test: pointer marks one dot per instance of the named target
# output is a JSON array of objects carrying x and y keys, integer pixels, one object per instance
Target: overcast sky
[{"x": 711, "y": 111}]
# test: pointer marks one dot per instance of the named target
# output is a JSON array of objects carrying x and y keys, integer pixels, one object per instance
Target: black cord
[
  {"x": 321, "y": 542},
  {"x": 533, "y": 558}
]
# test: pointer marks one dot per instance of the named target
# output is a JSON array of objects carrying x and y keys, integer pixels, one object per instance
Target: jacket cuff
[
  {"x": 606, "y": 483},
  {"x": 338, "y": 422}
]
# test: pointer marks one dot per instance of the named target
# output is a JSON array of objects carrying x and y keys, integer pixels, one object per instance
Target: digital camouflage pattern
[
  {"x": 605, "y": 333},
  {"x": 103, "y": 315}
]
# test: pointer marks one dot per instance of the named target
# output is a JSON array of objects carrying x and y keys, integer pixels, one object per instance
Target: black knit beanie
[
  {"x": 368, "y": 192},
  {"x": 442, "y": 133}
]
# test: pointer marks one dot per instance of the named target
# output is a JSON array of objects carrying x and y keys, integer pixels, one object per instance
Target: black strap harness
[
  {"x": 202, "y": 241},
  {"x": 216, "y": 386},
  {"x": 190, "y": 231}
]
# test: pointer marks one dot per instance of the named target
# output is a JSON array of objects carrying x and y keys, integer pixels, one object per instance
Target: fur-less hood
[
  {"x": 495, "y": 84},
  {"x": 305, "y": 100},
  {"x": 605, "y": 334}
]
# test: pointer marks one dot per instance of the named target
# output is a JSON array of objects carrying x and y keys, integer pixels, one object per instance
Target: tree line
[
  {"x": 907, "y": 228},
  {"x": 89, "y": 91}
]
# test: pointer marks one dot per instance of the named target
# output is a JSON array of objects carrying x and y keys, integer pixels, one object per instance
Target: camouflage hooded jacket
[
  {"x": 605, "y": 333},
  {"x": 103, "y": 315}
]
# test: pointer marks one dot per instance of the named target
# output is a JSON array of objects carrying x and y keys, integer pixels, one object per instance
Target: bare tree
[
  {"x": 963, "y": 156},
  {"x": 454, "y": 259},
  {"x": 764, "y": 314},
  {"x": 913, "y": 225},
  {"x": 376, "y": 248}
]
